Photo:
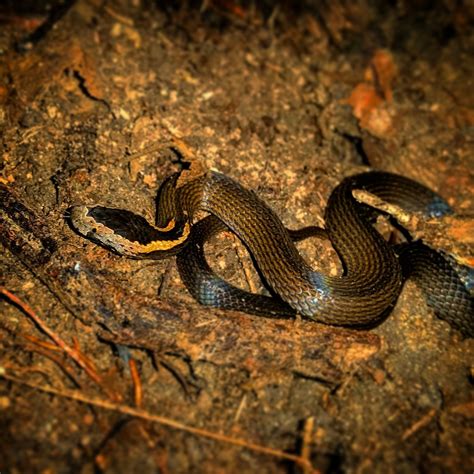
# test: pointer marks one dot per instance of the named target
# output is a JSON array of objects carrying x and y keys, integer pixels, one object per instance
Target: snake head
[{"x": 129, "y": 234}]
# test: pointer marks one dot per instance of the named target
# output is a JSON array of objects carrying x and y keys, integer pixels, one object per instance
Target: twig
[
  {"x": 137, "y": 383},
  {"x": 419, "y": 424},
  {"x": 146, "y": 151},
  {"x": 143, "y": 414},
  {"x": 75, "y": 354},
  {"x": 117, "y": 16},
  {"x": 39, "y": 342},
  {"x": 306, "y": 448},
  {"x": 174, "y": 371},
  {"x": 25, "y": 370},
  {"x": 68, "y": 370},
  {"x": 240, "y": 409},
  {"x": 245, "y": 266}
]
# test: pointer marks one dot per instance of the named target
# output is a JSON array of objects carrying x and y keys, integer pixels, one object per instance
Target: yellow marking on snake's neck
[
  {"x": 162, "y": 245},
  {"x": 170, "y": 226}
]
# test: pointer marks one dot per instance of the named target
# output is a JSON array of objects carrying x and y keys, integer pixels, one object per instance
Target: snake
[{"x": 373, "y": 270}]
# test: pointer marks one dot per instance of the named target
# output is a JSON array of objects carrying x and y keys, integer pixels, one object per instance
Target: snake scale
[{"x": 363, "y": 295}]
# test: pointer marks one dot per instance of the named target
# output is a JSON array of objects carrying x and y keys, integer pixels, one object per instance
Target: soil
[{"x": 286, "y": 100}]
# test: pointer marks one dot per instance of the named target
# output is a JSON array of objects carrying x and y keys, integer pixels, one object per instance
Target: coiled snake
[{"x": 373, "y": 270}]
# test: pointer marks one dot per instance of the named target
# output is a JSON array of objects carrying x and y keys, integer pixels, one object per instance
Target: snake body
[
  {"x": 211, "y": 290},
  {"x": 362, "y": 296}
]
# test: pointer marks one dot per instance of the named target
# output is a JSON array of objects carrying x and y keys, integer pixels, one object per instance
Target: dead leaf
[{"x": 369, "y": 99}]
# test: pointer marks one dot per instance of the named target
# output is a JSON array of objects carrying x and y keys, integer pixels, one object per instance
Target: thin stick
[
  {"x": 244, "y": 264},
  {"x": 306, "y": 448},
  {"x": 143, "y": 414},
  {"x": 71, "y": 352},
  {"x": 422, "y": 422},
  {"x": 137, "y": 384},
  {"x": 146, "y": 151}
]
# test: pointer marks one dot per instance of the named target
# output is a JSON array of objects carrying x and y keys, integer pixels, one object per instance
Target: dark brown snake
[{"x": 373, "y": 270}]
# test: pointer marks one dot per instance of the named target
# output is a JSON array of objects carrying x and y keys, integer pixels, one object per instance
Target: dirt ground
[{"x": 113, "y": 367}]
